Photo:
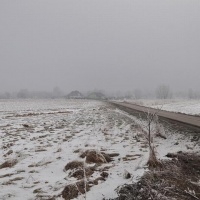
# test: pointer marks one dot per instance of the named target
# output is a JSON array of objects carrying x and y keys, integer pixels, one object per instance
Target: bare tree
[
  {"x": 151, "y": 118},
  {"x": 151, "y": 127}
]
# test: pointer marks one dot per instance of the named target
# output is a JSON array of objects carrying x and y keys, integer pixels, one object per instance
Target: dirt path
[{"x": 183, "y": 118}]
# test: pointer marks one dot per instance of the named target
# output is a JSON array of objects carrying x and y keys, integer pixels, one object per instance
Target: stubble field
[{"x": 41, "y": 141}]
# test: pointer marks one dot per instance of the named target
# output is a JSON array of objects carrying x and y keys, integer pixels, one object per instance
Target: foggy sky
[{"x": 106, "y": 44}]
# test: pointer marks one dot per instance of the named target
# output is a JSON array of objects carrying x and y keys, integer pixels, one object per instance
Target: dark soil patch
[
  {"x": 104, "y": 174},
  {"x": 26, "y": 125},
  {"x": 96, "y": 181},
  {"x": 8, "y": 153},
  {"x": 39, "y": 165},
  {"x": 177, "y": 179},
  {"x": 6, "y": 175},
  {"x": 113, "y": 154},
  {"x": 9, "y": 163}
]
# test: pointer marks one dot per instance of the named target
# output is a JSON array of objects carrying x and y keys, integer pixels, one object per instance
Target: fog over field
[
  {"x": 110, "y": 45},
  {"x": 99, "y": 99}
]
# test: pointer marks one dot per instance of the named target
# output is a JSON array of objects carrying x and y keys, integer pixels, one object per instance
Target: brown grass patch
[
  {"x": 93, "y": 156},
  {"x": 79, "y": 174},
  {"x": 74, "y": 165},
  {"x": 72, "y": 191},
  {"x": 176, "y": 179}
]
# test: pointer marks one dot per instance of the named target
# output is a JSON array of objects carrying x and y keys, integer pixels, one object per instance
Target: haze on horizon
[{"x": 105, "y": 44}]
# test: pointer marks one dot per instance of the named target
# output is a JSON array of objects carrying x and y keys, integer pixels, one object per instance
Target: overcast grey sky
[{"x": 106, "y": 44}]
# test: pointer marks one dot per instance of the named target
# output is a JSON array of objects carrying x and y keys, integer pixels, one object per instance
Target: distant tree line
[
  {"x": 161, "y": 92},
  {"x": 26, "y": 94}
]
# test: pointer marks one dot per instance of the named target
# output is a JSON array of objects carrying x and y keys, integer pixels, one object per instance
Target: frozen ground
[
  {"x": 191, "y": 107},
  {"x": 39, "y": 137}
]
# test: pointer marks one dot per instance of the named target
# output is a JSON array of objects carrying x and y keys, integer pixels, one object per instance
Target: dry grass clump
[
  {"x": 72, "y": 191},
  {"x": 178, "y": 179},
  {"x": 74, "y": 165},
  {"x": 93, "y": 156},
  {"x": 8, "y": 163},
  {"x": 80, "y": 174},
  {"x": 153, "y": 162},
  {"x": 83, "y": 173},
  {"x": 107, "y": 157}
]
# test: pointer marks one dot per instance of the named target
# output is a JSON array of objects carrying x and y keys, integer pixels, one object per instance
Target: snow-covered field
[
  {"x": 39, "y": 138},
  {"x": 191, "y": 107}
]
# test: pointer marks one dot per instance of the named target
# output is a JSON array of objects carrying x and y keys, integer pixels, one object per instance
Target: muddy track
[{"x": 182, "y": 120}]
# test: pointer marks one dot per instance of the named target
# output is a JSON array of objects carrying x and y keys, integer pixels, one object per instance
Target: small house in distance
[
  {"x": 75, "y": 95},
  {"x": 97, "y": 96}
]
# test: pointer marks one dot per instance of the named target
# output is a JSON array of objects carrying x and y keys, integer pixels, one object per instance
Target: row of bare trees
[
  {"x": 162, "y": 92},
  {"x": 25, "y": 93}
]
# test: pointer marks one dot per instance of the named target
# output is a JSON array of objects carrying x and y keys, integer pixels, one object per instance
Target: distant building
[
  {"x": 75, "y": 95},
  {"x": 97, "y": 96}
]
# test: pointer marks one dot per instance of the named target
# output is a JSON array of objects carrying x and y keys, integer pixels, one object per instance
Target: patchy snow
[
  {"x": 186, "y": 107},
  {"x": 191, "y": 107},
  {"x": 45, "y": 134}
]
